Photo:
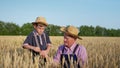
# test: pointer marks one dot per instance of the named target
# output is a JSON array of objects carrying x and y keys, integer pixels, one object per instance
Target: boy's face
[{"x": 39, "y": 28}]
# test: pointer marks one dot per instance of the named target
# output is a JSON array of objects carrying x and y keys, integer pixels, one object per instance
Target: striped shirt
[{"x": 42, "y": 39}]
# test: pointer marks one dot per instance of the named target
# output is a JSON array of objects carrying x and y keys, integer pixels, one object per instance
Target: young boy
[{"x": 38, "y": 41}]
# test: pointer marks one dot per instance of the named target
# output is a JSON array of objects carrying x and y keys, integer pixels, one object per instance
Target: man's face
[
  {"x": 68, "y": 41},
  {"x": 39, "y": 28}
]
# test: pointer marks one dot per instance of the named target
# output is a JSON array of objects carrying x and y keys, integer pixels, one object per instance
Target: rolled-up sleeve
[
  {"x": 57, "y": 55},
  {"x": 28, "y": 40}
]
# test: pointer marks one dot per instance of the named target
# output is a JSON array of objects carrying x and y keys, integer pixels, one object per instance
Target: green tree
[
  {"x": 12, "y": 29},
  {"x": 99, "y": 31},
  {"x": 87, "y": 31},
  {"x": 26, "y": 29},
  {"x": 9, "y": 28},
  {"x": 118, "y": 32},
  {"x": 53, "y": 30},
  {"x": 2, "y": 28},
  {"x": 113, "y": 32}
]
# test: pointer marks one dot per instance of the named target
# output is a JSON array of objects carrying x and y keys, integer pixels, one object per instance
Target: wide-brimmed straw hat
[
  {"x": 71, "y": 31},
  {"x": 40, "y": 20}
]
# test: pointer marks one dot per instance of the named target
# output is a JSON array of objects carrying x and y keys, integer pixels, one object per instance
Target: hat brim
[
  {"x": 63, "y": 29},
  {"x": 40, "y": 23}
]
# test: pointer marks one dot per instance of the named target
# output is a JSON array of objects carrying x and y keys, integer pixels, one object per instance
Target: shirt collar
[
  {"x": 72, "y": 47},
  {"x": 36, "y": 33}
]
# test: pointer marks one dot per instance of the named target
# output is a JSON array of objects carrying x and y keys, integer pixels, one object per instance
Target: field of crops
[{"x": 103, "y": 52}]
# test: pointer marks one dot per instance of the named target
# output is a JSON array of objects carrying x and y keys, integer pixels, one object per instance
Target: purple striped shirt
[{"x": 80, "y": 52}]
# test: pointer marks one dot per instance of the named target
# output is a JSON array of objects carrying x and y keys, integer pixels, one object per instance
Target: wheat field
[{"x": 103, "y": 52}]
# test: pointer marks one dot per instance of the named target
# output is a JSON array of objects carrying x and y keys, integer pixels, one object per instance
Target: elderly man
[
  {"x": 71, "y": 48},
  {"x": 38, "y": 40}
]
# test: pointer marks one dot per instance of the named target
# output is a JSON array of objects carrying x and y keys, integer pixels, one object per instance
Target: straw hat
[
  {"x": 71, "y": 31},
  {"x": 40, "y": 20}
]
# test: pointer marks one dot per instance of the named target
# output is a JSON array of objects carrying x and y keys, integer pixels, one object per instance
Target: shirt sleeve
[
  {"x": 28, "y": 40},
  {"x": 47, "y": 39},
  {"x": 56, "y": 58},
  {"x": 83, "y": 55}
]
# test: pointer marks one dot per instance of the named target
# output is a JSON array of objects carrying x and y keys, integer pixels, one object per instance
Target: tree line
[{"x": 10, "y": 28}]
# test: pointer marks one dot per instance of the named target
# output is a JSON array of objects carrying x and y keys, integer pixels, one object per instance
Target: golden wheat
[{"x": 103, "y": 52}]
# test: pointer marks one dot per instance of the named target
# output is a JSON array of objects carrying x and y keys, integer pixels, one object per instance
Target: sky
[{"x": 105, "y": 13}]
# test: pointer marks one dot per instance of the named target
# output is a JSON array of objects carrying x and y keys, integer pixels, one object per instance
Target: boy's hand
[
  {"x": 44, "y": 53},
  {"x": 36, "y": 49}
]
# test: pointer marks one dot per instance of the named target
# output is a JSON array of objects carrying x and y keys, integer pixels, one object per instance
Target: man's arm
[{"x": 83, "y": 56}]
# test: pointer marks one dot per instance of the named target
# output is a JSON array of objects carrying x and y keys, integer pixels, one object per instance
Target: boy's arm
[
  {"x": 36, "y": 49},
  {"x": 44, "y": 53},
  {"x": 48, "y": 48},
  {"x": 28, "y": 43}
]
